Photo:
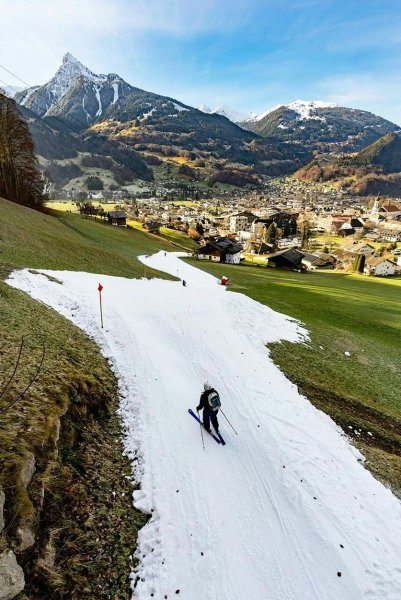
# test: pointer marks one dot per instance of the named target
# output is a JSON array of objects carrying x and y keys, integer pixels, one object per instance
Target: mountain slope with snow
[
  {"x": 225, "y": 111},
  {"x": 82, "y": 98},
  {"x": 320, "y": 125},
  {"x": 284, "y": 511}
]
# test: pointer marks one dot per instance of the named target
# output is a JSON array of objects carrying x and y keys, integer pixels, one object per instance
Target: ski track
[{"x": 270, "y": 509}]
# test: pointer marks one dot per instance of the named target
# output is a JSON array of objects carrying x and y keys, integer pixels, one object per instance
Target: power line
[{"x": 66, "y": 124}]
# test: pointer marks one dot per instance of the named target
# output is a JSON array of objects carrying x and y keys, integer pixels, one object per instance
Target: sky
[{"x": 248, "y": 54}]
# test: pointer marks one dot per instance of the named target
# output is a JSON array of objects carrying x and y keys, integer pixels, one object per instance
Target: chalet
[
  {"x": 354, "y": 225},
  {"x": 283, "y": 220},
  {"x": 373, "y": 236},
  {"x": 344, "y": 259},
  {"x": 152, "y": 226},
  {"x": 359, "y": 248},
  {"x": 287, "y": 259},
  {"x": 391, "y": 211},
  {"x": 117, "y": 217},
  {"x": 379, "y": 266},
  {"x": 318, "y": 260},
  {"x": 258, "y": 247},
  {"x": 221, "y": 250},
  {"x": 391, "y": 235}
]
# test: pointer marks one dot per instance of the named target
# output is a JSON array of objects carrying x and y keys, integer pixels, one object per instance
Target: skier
[{"x": 210, "y": 403}]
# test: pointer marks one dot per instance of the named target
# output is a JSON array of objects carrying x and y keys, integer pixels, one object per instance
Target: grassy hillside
[
  {"x": 67, "y": 421},
  {"x": 67, "y": 241},
  {"x": 385, "y": 154},
  {"x": 344, "y": 313},
  {"x": 374, "y": 170}
]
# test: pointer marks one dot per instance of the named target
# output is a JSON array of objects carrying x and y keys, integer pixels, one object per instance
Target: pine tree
[
  {"x": 271, "y": 234},
  {"x": 20, "y": 180}
]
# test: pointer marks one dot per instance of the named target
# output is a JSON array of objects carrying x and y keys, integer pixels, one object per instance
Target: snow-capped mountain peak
[
  {"x": 72, "y": 73},
  {"x": 205, "y": 108},
  {"x": 233, "y": 115},
  {"x": 306, "y": 108}
]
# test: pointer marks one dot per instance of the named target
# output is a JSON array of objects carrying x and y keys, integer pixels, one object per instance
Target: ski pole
[
  {"x": 203, "y": 441},
  {"x": 228, "y": 422}
]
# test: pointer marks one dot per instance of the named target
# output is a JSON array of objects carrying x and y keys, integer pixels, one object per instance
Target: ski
[
  {"x": 221, "y": 438},
  {"x": 191, "y": 412}
]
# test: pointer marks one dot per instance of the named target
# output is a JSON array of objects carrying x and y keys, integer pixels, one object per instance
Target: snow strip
[
  {"x": 115, "y": 88},
  {"x": 97, "y": 92},
  {"x": 284, "y": 511},
  {"x": 179, "y": 107}
]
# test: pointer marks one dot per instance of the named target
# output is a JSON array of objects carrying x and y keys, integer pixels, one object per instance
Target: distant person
[
  {"x": 184, "y": 283},
  {"x": 210, "y": 404}
]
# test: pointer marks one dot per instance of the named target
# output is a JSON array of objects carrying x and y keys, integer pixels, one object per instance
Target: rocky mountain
[
  {"x": 374, "y": 170},
  {"x": 320, "y": 126},
  {"x": 82, "y": 98},
  {"x": 173, "y": 139}
]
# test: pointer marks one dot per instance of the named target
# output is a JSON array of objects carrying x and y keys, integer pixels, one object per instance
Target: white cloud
[
  {"x": 378, "y": 94},
  {"x": 103, "y": 34}
]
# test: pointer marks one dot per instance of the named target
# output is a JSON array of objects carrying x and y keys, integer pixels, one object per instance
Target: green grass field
[
  {"x": 343, "y": 313},
  {"x": 60, "y": 240}
]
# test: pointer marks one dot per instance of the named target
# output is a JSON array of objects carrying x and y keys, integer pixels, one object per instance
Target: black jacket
[{"x": 203, "y": 403}]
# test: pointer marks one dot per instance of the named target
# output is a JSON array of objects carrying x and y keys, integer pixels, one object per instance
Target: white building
[{"x": 380, "y": 267}]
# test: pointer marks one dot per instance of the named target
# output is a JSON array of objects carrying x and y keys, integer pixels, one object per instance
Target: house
[
  {"x": 318, "y": 260},
  {"x": 359, "y": 248},
  {"x": 287, "y": 259},
  {"x": 258, "y": 247},
  {"x": 221, "y": 250},
  {"x": 285, "y": 221},
  {"x": 373, "y": 236},
  {"x": 391, "y": 235},
  {"x": 391, "y": 211},
  {"x": 344, "y": 259},
  {"x": 379, "y": 266},
  {"x": 152, "y": 226},
  {"x": 117, "y": 217},
  {"x": 354, "y": 225}
]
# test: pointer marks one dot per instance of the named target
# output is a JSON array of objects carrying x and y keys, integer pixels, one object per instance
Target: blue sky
[{"x": 248, "y": 54}]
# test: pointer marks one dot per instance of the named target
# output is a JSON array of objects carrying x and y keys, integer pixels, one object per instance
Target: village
[{"x": 289, "y": 224}]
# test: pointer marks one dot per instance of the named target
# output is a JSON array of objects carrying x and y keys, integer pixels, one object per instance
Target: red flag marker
[{"x": 99, "y": 289}]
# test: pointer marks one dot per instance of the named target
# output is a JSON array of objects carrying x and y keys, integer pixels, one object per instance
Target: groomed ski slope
[{"x": 283, "y": 509}]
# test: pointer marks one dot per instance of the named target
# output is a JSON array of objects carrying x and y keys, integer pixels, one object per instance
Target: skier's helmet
[{"x": 207, "y": 386}]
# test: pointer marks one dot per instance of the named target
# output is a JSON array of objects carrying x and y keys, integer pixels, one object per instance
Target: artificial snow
[{"x": 281, "y": 510}]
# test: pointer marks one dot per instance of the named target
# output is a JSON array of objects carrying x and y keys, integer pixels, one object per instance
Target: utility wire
[{"x": 65, "y": 123}]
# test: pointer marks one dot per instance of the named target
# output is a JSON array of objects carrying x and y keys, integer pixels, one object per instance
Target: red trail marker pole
[{"x": 100, "y": 287}]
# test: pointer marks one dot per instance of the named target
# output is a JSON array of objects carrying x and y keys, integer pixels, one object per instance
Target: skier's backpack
[{"x": 214, "y": 400}]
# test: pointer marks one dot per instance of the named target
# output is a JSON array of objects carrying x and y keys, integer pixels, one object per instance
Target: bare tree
[{"x": 20, "y": 180}]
